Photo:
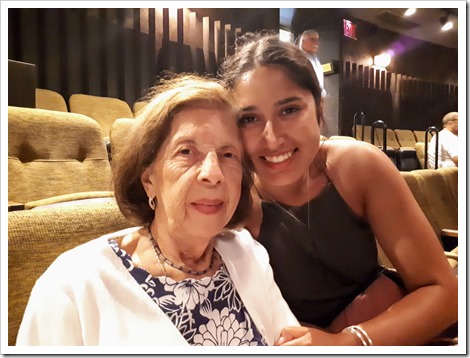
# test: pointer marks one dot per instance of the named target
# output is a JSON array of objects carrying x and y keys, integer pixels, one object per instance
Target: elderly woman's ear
[{"x": 148, "y": 182}]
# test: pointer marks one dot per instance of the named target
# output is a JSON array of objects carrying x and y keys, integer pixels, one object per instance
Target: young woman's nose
[
  {"x": 272, "y": 135},
  {"x": 210, "y": 171}
]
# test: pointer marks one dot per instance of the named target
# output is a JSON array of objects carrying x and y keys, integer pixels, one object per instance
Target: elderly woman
[{"x": 180, "y": 277}]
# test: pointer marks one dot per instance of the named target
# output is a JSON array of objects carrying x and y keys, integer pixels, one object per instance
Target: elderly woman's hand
[{"x": 311, "y": 336}]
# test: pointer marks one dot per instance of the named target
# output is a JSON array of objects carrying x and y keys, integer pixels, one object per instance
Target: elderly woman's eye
[
  {"x": 229, "y": 155},
  {"x": 185, "y": 151}
]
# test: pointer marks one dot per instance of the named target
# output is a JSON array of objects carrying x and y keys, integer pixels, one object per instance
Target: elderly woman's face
[{"x": 197, "y": 174}]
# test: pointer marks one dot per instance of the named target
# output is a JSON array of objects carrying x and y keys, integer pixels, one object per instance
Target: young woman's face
[
  {"x": 278, "y": 123},
  {"x": 197, "y": 174}
]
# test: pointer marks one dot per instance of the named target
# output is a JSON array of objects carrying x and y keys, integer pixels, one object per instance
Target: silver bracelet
[{"x": 361, "y": 334}]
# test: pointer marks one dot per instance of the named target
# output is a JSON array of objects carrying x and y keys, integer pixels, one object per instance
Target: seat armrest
[{"x": 450, "y": 233}]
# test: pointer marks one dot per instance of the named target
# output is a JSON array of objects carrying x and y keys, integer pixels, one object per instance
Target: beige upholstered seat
[
  {"x": 405, "y": 138},
  {"x": 367, "y": 133},
  {"x": 118, "y": 134},
  {"x": 419, "y": 146},
  {"x": 47, "y": 99},
  {"x": 105, "y": 110},
  {"x": 420, "y": 135},
  {"x": 138, "y": 106},
  {"x": 435, "y": 191},
  {"x": 52, "y": 154},
  {"x": 391, "y": 138},
  {"x": 37, "y": 237}
]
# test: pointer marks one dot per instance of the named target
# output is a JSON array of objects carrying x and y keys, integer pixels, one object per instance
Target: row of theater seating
[
  {"x": 405, "y": 147},
  {"x": 53, "y": 230},
  {"x": 104, "y": 110},
  {"x": 405, "y": 158},
  {"x": 396, "y": 138}
]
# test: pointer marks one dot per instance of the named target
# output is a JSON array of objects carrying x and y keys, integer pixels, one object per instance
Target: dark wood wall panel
[
  {"x": 121, "y": 52},
  {"x": 401, "y": 101}
]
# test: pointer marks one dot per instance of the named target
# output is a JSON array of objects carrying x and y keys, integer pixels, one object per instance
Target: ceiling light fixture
[
  {"x": 410, "y": 12},
  {"x": 445, "y": 22}
]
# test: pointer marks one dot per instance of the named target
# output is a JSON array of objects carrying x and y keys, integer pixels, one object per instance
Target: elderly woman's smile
[{"x": 207, "y": 206}]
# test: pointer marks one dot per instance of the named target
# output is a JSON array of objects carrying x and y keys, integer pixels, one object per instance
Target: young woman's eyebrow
[
  {"x": 286, "y": 100},
  {"x": 278, "y": 103}
]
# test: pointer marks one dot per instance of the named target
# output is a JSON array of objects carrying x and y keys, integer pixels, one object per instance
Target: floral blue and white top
[{"x": 207, "y": 312}]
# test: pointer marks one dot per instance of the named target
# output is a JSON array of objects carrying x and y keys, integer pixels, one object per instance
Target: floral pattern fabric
[{"x": 207, "y": 312}]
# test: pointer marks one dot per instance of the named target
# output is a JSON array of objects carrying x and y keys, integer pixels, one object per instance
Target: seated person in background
[
  {"x": 180, "y": 278},
  {"x": 320, "y": 206},
  {"x": 448, "y": 149}
]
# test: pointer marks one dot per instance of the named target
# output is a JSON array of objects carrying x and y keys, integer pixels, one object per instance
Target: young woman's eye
[
  {"x": 246, "y": 120},
  {"x": 290, "y": 110}
]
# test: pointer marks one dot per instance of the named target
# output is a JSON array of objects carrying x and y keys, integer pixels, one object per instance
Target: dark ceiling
[{"x": 423, "y": 25}]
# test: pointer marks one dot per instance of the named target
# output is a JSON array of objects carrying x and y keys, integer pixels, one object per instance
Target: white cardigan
[{"x": 87, "y": 297}]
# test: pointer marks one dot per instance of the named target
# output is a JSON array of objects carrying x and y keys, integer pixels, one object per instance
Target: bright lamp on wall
[
  {"x": 382, "y": 60},
  {"x": 445, "y": 22}
]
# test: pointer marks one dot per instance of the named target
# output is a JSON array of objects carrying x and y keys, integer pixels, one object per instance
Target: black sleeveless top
[{"x": 322, "y": 269}]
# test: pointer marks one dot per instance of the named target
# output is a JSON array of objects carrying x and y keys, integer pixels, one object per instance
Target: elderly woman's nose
[{"x": 210, "y": 169}]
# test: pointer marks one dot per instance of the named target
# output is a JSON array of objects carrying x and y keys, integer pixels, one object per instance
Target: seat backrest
[
  {"x": 54, "y": 153},
  {"x": 118, "y": 134},
  {"x": 138, "y": 106},
  {"x": 436, "y": 193},
  {"x": 47, "y": 99},
  {"x": 405, "y": 138},
  {"x": 37, "y": 237},
  {"x": 420, "y": 135},
  {"x": 391, "y": 138},
  {"x": 105, "y": 110},
  {"x": 367, "y": 133},
  {"x": 419, "y": 146}
]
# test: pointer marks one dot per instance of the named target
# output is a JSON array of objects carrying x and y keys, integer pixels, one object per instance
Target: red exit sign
[{"x": 349, "y": 29}]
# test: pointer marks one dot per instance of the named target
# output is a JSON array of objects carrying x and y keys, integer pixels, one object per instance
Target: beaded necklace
[{"x": 158, "y": 253}]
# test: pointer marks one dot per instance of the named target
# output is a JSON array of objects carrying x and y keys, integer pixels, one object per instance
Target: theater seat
[
  {"x": 47, "y": 99},
  {"x": 419, "y": 147},
  {"x": 420, "y": 135},
  {"x": 407, "y": 159},
  {"x": 118, "y": 134},
  {"x": 52, "y": 154},
  {"x": 436, "y": 190},
  {"x": 138, "y": 106},
  {"x": 405, "y": 138},
  {"x": 105, "y": 110},
  {"x": 367, "y": 133},
  {"x": 37, "y": 237}
]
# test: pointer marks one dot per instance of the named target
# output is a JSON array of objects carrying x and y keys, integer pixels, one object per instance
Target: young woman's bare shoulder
[{"x": 350, "y": 153}]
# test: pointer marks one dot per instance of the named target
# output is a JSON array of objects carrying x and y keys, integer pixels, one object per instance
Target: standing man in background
[
  {"x": 448, "y": 143},
  {"x": 309, "y": 43}
]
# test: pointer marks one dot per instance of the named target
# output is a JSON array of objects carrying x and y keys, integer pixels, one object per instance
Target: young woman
[{"x": 320, "y": 206}]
